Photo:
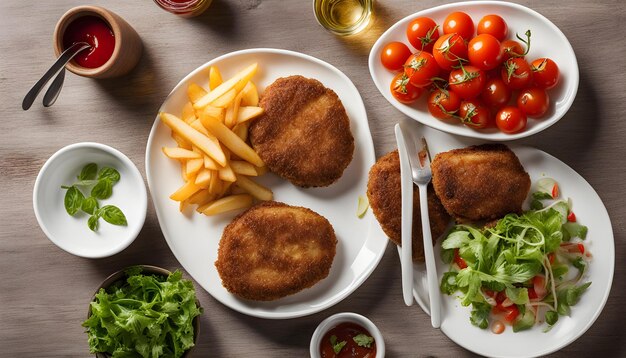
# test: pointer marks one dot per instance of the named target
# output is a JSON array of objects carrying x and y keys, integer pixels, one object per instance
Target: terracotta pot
[{"x": 128, "y": 46}]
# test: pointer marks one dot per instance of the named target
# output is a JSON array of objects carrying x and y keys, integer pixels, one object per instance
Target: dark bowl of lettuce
[{"x": 143, "y": 311}]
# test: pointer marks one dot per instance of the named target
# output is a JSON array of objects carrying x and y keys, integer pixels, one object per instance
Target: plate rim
[
  {"x": 274, "y": 315},
  {"x": 606, "y": 292},
  {"x": 372, "y": 59}
]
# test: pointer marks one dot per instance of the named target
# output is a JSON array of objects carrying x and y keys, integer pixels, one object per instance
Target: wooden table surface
[{"x": 44, "y": 291}]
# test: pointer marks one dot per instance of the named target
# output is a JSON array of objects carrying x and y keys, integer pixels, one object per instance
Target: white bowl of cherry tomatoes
[{"x": 486, "y": 69}]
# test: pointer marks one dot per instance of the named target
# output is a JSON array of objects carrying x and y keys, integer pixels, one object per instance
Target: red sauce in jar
[
  {"x": 97, "y": 33},
  {"x": 345, "y": 332}
]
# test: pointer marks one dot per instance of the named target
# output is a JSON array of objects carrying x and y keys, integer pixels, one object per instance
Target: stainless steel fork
[{"x": 419, "y": 159}]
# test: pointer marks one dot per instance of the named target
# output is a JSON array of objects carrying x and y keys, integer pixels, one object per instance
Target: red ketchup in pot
[{"x": 97, "y": 33}]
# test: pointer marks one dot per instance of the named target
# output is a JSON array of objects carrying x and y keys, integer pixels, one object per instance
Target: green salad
[
  {"x": 143, "y": 316},
  {"x": 526, "y": 269}
]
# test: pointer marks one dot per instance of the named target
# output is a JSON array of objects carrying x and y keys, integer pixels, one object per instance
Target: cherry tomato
[
  {"x": 443, "y": 104},
  {"x": 496, "y": 94},
  {"x": 460, "y": 23},
  {"x": 545, "y": 73},
  {"x": 467, "y": 81},
  {"x": 474, "y": 114},
  {"x": 539, "y": 286},
  {"x": 422, "y": 33},
  {"x": 511, "y": 48},
  {"x": 533, "y": 101},
  {"x": 516, "y": 73},
  {"x": 448, "y": 50},
  {"x": 484, "y": 52},
  {"x": 403, "y": 91},
  {"x": 571, "y": 217},
  {"x": 551, "y": 257},
  {"x": 581, "y": 248},
  {"x": 493, "y": 25},
  {"x": 394, "y": 55},
  {"x": 510, "y": 313},
  {"x": 421, "y": 67},
  {"x": 459, "y": 260},
  {"x": 511, "y": 120}
]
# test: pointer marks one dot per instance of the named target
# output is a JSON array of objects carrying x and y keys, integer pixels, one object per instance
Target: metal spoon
[
  {"x": 54, "y": 90},
  {"x": 59, "y": 65}
]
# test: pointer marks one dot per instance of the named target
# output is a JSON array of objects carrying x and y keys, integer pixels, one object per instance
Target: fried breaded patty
[
  {"x": 304, "y": 134},
  {"x": 480, "y": 182},
  {"x": 273, "y": 250},
  {"x": 385, "y": 197}
]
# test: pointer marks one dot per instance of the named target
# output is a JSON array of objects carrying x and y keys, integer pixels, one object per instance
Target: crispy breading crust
[
  {"x": 481, "y": 182},
  {"x": 273, "y": 250},
  {"x": 385, "y": 197},
  {"x": 304, "y": 134}
]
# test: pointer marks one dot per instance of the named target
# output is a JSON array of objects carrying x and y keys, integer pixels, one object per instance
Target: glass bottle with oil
[{"x": 343, "y": 17}]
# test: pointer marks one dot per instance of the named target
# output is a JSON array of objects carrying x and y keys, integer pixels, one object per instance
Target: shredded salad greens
[
  {"x": 143, "y": 316},
  {"x": 526, "y": 269}
]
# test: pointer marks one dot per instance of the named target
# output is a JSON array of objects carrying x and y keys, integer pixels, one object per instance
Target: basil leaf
[
  {"x": 447, "y": 256},
  {"x": 93, "y": 222},
  {"x": 89, "y": 172},
  {"x": 363, "y": 340},
  {"x": 573, "y": 294},
  {"x": 519, "y": 295},
  {"x": 102, "y": 190},
  {"x": 113, "y": 215},
  {"x": 86, "y": 182},
  {"x": 536, "y": 205},
  {"x": 526, "y": 321},
  {"x": 110, "y": 174},
  {"x": 579, "y": 263},
  {"x": 90, "y": 205},
  {"x": 73, "y": 200}
]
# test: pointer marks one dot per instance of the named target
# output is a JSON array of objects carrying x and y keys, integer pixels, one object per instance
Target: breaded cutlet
[
  {"x": 385, "y": 198},
  {"x": 304, "y": 134},
  {"x": 273, "y": 250},
  {"x": 481, "y": 182}
]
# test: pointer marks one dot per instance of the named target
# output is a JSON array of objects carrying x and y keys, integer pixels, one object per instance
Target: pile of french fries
[{"x": 211, "y": 133}]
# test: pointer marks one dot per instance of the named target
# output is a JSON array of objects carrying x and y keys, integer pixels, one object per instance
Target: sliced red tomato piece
[
  {"x": 459, "y": 260},
  {"x": 571, "y": 217}
]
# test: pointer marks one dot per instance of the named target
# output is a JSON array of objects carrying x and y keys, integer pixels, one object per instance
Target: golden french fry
[
  {"x": 261, "y": 170},
  {"x": 185, "y": 191},
  {"x": 215, "y": 112},
  {"x": 228, "y": 203},
  {"x": 203, "y": 178},
  {"x": 225, "y": 100},
  {"x": 250, "y": 95},
  {"x": 197, "y": 125},
  {"x": 230, "y": 140},
  {"x": 255, "y": 189},
  {"x": 189, "y": 113},
  {"x": 238, "y": 81},
  {"x": 195, "y": 92},
  {"x": 215, "y": 184},
  {"x": 210, "y": 163},
  {"x": 227, "y": 174},
  {"x": 230, "y": 119},
  {"x": 206, "y": 144},
  {"x": 247, "y": 113},
  {"x": 182, "y": 142},
  {"x": 194, "y": 166},
  {"x": 215, "y": 78},
  {"x": 237, "y": 190},
  {"x": 199, "y": 196},
  {"x": 241, "y": 130},
  {"x": 180, "y": 153},
  {"x": 243, "y": 167},
  {"x": 183, "y": 171},
  {"x": 182, "y": 205}
]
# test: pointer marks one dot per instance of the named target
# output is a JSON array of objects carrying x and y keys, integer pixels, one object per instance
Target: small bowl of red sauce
[
  {"x": 347, "y": 335},
  {"x": 115, "y": 47}
]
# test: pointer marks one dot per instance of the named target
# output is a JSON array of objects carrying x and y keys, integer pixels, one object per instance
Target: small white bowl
[
  {"x": 332, "y": 321},
  {"x": 71, "y": 233}
]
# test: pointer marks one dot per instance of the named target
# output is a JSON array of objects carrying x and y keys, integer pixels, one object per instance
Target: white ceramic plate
[
  {"x": 71, "y": 233},
  {"x": 194, "y": 238},
  {"x": 546, "y": 41},
  {"x": 590, "y": 211}
]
